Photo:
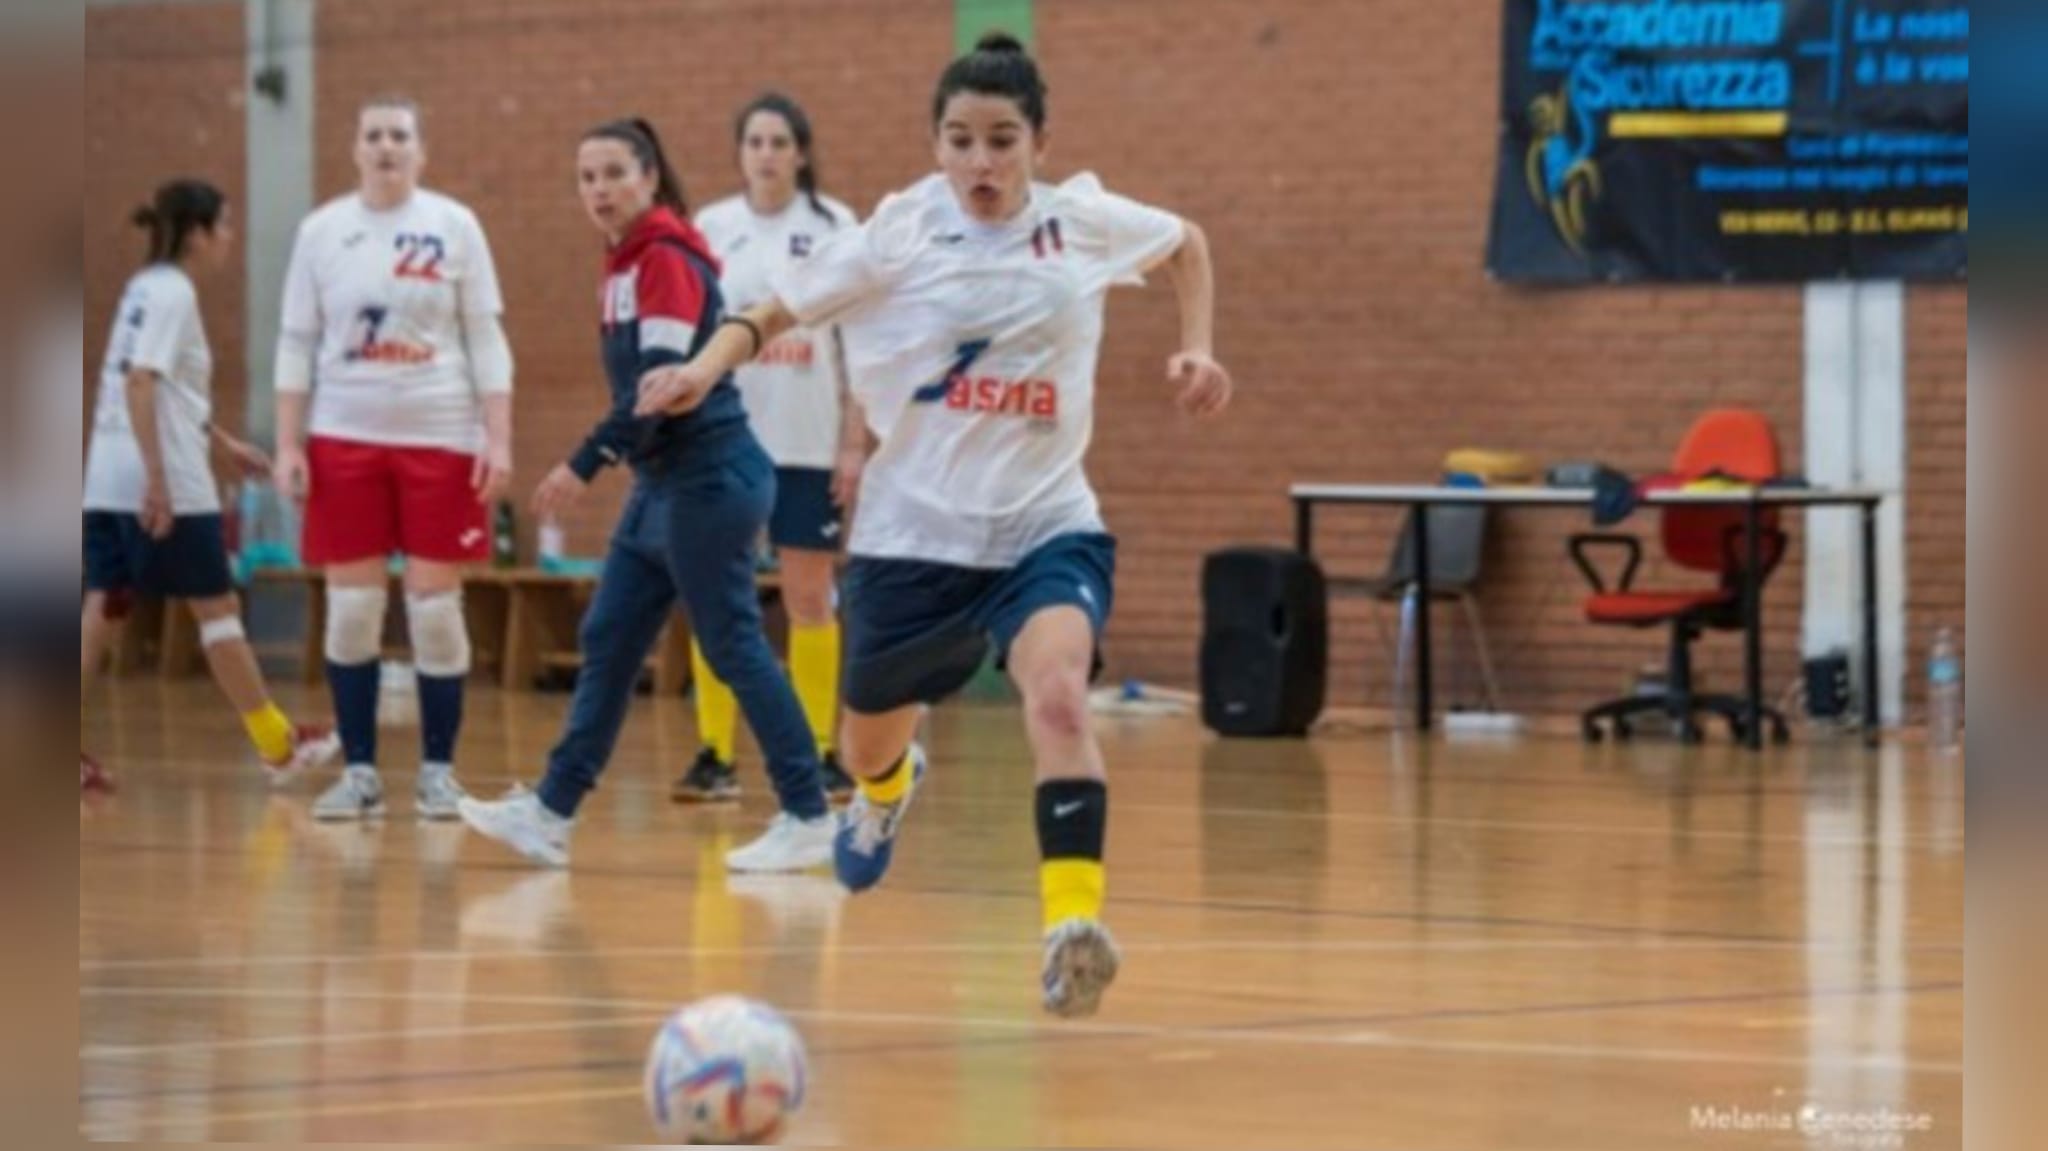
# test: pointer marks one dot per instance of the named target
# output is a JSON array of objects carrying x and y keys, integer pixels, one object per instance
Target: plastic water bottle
[
  {"x": 554, "y": 544},
  {"x": 1945, "y": 695}
]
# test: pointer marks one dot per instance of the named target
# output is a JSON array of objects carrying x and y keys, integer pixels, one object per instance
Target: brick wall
[{"x": 1340, "y": 155}]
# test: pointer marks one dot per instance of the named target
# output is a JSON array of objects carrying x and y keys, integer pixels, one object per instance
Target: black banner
[{"x": 1734, "y": 140}]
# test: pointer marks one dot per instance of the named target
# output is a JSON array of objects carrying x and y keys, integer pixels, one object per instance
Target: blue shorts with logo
[
  {"x": 805, "y": 518},
  {"x": 917, "y": 632},
  {"x": 190, "y": 563}
]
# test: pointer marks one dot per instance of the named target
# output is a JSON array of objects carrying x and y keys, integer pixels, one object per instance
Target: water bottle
[
  {"x": 554, "y": 544},
  {"x": 505, "y": 537},
  {"x": 1945, "y": 695}
]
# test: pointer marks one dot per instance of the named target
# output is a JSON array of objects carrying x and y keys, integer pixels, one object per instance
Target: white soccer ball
[{"x": 725, "y": 1071}]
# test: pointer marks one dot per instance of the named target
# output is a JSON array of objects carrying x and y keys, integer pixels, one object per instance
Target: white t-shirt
[
  {"x": 973, "y": 349},
  {"x": 791, "y": 390},
  {"x": 158, "y": 328},
  {"x": 385, "y": 295}
]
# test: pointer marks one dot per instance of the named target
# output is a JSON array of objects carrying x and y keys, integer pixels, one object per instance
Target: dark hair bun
[{"x": 1000, "y": 43}]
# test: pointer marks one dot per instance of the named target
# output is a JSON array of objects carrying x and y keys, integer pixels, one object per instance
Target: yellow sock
[
  {"x": 891, "y": 788},
  {"x": 718, "y": 711},
  {"x": 271, "y": 731},
  {"x": 1073, "y": 889},
  {"x": 814, "y": 671}
]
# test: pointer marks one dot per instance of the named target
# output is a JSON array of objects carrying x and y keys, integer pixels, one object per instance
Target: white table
[{"x": 1417, "y": 497}]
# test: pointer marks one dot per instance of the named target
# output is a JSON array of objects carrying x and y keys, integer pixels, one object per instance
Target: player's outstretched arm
[
  {"x": 1205, "y": 385},
  {"x": 677, "y": 389}
]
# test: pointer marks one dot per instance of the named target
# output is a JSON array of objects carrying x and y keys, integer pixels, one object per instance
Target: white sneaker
[
  {"x": 1081, "y": 961},
  {"x": 312, "y": 747},
  {"x": 520, "y": 822},
  {"x": 437, "y": 795},
  {"x": 358, "y": 794},
  {"x": 790, "y": 844}
]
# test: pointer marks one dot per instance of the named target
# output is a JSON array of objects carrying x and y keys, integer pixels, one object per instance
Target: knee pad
[
  {"x": 355, "y": 625},
  {"x": 440, "y": 636},
  {"x": 226, "y": 629}
]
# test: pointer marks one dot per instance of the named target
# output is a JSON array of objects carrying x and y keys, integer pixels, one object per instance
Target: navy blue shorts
[
  {"x": 918, "y": 632},
  {"x": 805, "y": 518},
  {"x": 190, "y": 563}
]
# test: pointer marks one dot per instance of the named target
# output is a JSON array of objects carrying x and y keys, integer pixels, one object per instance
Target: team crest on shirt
[
  {"x": 1048, "y": 239},
  {"x": 800, "y": 246}
]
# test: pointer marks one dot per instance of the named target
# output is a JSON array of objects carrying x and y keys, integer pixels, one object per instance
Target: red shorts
[{"x": 370, "y": 501}]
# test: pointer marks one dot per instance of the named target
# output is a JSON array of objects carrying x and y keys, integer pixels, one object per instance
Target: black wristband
[{"x": 753, "y": 329}]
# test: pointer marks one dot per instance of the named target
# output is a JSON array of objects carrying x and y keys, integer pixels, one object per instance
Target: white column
[
  {"x": 1856, "y": 437},
  {"x": 280, "y": 178}
]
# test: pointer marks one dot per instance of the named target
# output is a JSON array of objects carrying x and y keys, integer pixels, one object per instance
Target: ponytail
[{"x": 179, "y": 208}]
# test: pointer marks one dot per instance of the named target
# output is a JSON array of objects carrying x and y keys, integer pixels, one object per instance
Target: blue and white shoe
[{"x": 867, "y": 832}]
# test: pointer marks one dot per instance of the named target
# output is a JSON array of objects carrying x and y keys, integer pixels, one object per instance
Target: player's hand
[
  {"x": 676, "y": 390},
  {"x": 157, "y": 517},
  {"x": 251, "y": 461},
  {"x": 291, "y": 473},
  {"x": 558, "y": 493},
  {"x": 491, "y": 478},
  {"x": 846, "y": 473},
  {"x": 1205, "y": 387}
]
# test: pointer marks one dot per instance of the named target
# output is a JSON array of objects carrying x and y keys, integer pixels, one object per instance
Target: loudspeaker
[{"x": 1265, "y": 642}]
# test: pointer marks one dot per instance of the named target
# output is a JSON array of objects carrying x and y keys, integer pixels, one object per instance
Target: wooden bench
[{"x": 523, "y": 622}]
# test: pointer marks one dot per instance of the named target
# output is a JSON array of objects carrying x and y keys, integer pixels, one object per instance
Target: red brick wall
[
  {"x": 1937, "y": 433},
  {"x": 1341, "y": 157},
  {"x": 163, "y": 100}
]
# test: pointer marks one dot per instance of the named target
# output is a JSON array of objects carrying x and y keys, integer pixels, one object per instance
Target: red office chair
[{"x": 1735, "y": 444}]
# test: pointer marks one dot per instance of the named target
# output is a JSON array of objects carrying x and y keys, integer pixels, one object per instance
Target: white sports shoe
[
  {"x": 790, "y": 844},
  {"x": 358, "y": 794},
  {"x": 311, "y": 747},
  {"x": 520, "y": 822},
  {"x": 1081, "y": 961},
  {"x": 437, "y": 796}
]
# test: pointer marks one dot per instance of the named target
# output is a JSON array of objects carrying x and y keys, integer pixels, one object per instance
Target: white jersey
[
  {"x": 385, "y": 294},
  {"x": 791, "y": 390},
  {"x": 157, "y": 328},
  {"x": 973, "y": 348}
]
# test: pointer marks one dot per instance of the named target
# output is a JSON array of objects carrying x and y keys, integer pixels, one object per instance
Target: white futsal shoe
[
  {"x": 520, "y": 822},
  {"x": 790, "y": 844}
]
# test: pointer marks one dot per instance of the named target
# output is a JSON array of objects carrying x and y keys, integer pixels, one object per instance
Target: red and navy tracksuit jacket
[{"x": 661, "y": 306}]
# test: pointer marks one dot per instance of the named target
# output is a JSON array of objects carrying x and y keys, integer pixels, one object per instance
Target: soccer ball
[{"x": 725, "y": 1071}]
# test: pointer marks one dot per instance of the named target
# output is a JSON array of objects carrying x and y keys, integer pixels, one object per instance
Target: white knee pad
[
  {"x": 355, "y": 625},
  {"x": 226, "y": 629},
  {"x": 440, "y": 636}
]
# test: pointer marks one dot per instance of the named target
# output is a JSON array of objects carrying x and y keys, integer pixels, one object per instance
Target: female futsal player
[
  {"x": 794, "y": 396},
  {"x": 152, "y": 509},
  {"x": 391, "y": 337},
  {"x": 972, "y": 308}
]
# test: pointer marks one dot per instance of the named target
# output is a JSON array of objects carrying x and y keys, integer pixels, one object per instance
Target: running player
[
  {"x": 972, "y": 309},
  {"x": 152, "y": 521},
  {"x": 795, "y": 399},
  {"x": 392, "y": 345}
]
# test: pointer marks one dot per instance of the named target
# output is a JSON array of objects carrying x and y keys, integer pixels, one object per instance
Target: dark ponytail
[
  {"x": 639, "y": 135},
  {"x": 179, "y": 208},
  {"x": 792, "y": 113},
  {"x": 999, "y": 66}
]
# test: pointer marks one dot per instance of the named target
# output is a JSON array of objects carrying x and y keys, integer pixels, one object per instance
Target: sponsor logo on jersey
[
  {"x": 800, "y": 246},
  {"x": 962, "y": 391}
]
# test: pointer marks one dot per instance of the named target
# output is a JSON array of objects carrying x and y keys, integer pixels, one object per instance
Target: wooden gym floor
[{"x": 1357, "y": 942}]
